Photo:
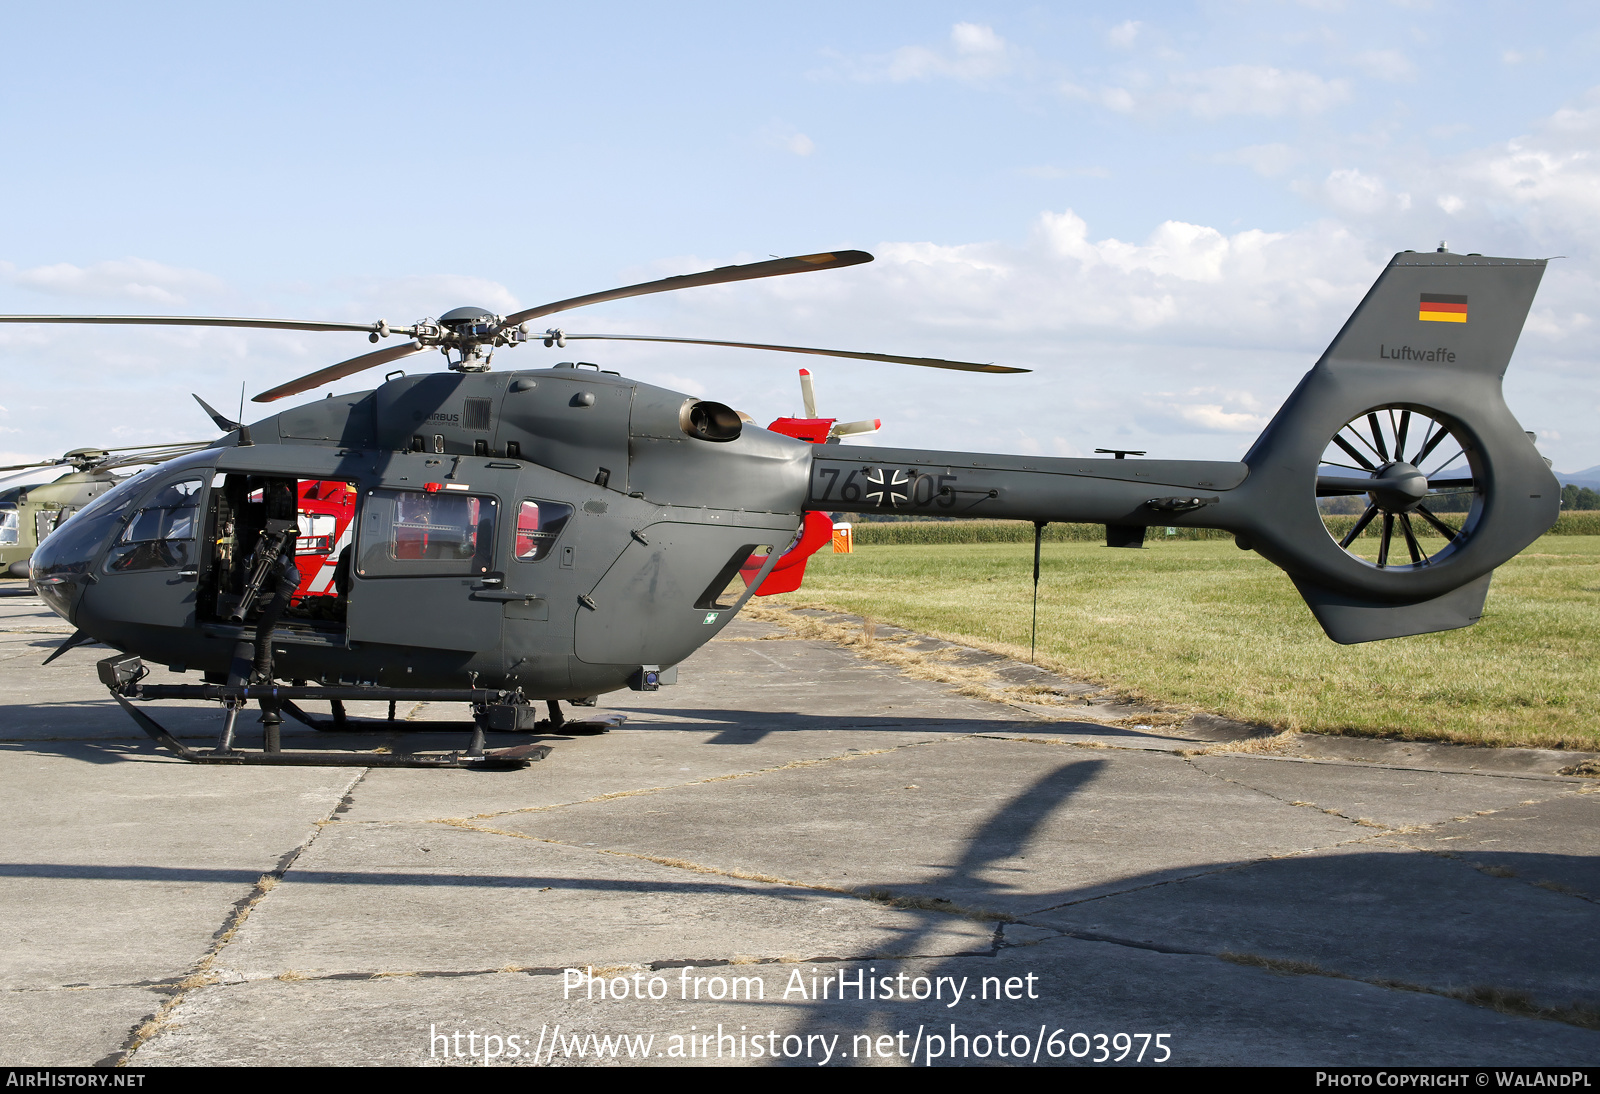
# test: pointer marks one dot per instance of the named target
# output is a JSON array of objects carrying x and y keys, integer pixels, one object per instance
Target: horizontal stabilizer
[{"x": 1351, "y": 619}]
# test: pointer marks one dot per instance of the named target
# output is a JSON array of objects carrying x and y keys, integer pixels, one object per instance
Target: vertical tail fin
[{"x": 1404, "y": 413}]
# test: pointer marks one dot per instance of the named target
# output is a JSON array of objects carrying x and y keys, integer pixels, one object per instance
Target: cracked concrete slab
[
  {"x": 1008, "y": 826},
  {"x": 623, "y": 761},
  {"x": 1391, "y": 798},
  {"x": 715, "y": 828},
  {"x": 66, "y": 1027},
  {"x": 1550, "y": 844},
  {"x": 115, "y": 870},
  {"x": 1212, "y": 1011},
  {"x": 1371, "y": 911},
  {"x": 405, "y": 897}
]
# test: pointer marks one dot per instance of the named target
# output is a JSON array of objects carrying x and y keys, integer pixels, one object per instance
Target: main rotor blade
[
  {"x": 102, "y": 457},
  {"x": 192, "y": 321},
  {"x": 925, "y": 362},
  {"x": 148, "y": 457},
  {"x": 832, "y": 260},
  {"x": 146, "y": 447},
  {"x": 338, "y": 372}
]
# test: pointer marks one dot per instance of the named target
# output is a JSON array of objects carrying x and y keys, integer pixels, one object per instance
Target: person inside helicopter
[{"x": 161, "y": 534}]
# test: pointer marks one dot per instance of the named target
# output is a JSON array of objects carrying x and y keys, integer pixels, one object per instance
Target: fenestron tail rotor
[{"x": 1409, "y": 468}]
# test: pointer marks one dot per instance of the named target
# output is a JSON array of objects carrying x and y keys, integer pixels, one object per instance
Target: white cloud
[
  {"x": 128, "y": 279},
  {"x": 1119, "y": 99},
  {"x": 1214, "y": 419},
  {"x": 1354, "y": 192},
  {"x": 1259, "y": 90},
  {"x": 1264, "y": 159},
  {"x": 1538, "y": 193},
  {"x": 778, "y": 134},
  {"x": 1227, "y": 411},
  {"x": 1183, "y": 284},
  {"x": 1386, "y": 64},
  {"x": 1215, "y": 93},
  {"x": 1123, "y": 34},
  {"x": 974, "y": 53}
]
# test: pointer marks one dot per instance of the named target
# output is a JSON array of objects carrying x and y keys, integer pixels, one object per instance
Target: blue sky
[{"x": 1164, "y": 209}]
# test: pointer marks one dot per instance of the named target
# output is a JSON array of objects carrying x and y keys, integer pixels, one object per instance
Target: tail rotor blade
[
  {"x": 328, "y": 375},
  {"x": 853, "y": 429},
  {"x": 808, "y": 396}
]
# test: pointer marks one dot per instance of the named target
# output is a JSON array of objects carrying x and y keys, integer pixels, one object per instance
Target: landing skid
[
  {"x": 492, "y": 710},
  {"x": 340, "y": 722}
]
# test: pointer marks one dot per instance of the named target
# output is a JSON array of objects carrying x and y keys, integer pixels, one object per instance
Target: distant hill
[{"x": 1589, "y": 477}]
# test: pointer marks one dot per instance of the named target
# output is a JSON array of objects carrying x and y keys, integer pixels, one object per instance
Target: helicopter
[
  {"x": 557, "y": 534},
  {"x": 30, "y": 512}
]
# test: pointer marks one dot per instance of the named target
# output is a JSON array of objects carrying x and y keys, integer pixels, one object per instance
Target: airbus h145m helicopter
[{"x": 555, "y": 534}]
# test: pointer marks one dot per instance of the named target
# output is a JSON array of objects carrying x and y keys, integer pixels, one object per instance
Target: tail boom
[{"x": 1427, "y": 347}]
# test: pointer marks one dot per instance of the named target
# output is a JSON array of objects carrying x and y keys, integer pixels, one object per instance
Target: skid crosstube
[
  {"x": 493, "y": 710},
  {"x": 496, "y": 760}
]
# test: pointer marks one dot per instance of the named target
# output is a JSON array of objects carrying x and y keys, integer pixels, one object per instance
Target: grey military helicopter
[
  {"x": 555, "y": 534},
  {"x": 30, "y": 512}
]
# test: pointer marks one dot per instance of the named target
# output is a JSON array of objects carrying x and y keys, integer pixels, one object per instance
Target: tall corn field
[{"x": 916, "y": 533}]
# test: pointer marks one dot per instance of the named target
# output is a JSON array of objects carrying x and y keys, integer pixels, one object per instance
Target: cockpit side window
[
  {"x": 539, "y": 524},
  {"x": 160, "y": 535},
  {"x": 8, "y": 526}
]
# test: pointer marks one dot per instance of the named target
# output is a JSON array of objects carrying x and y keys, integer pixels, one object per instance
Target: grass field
[{"x": 1201, "y": 625}]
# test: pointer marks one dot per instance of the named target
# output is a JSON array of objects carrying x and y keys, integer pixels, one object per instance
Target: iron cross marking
[{"x": 889, "y": 485}]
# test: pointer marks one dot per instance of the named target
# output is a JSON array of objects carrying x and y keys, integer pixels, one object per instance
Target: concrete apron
[{"x": 797, "y": 852}]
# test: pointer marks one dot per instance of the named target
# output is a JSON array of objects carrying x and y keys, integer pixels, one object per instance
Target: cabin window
[
  {"x": 413, "y": 532},
  {"x": 8, "y": 526},
  {"x": 539, "y": 523},
  {"x": 161, "y": 533}
]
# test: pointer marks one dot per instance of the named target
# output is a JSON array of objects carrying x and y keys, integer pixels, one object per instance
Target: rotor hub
[
  {"x": 471, "y": 324},
  {"x": 1401, "y": 487}
]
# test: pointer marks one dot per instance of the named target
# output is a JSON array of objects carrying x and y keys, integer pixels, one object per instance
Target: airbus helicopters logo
[{"x": 443, "y": 419}]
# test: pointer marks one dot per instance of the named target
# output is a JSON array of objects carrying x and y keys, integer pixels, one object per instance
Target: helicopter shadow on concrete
[
  {"x": 1387, "y": 929},
  {"x": 1138, "y": 950}
]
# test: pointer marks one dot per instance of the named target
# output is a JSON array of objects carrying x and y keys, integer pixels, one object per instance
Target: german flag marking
[{"x": 1442, "y": 308}]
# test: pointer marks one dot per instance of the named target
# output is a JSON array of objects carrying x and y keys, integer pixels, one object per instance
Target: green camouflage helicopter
[{"x": 30, "y": 512}]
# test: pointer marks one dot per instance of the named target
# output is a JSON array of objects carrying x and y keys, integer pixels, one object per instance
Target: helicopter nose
[{"x": 63, "y": 565}]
